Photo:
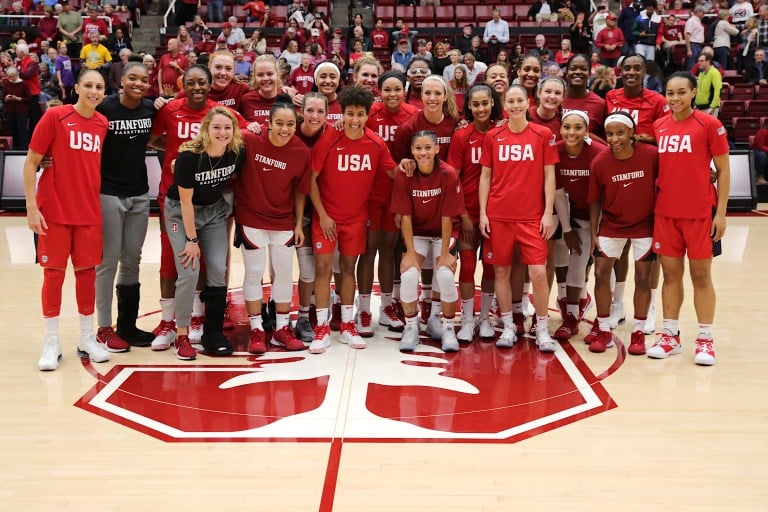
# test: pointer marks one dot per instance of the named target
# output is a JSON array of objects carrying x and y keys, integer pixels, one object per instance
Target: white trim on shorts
[{"x": 613, "y": 247}]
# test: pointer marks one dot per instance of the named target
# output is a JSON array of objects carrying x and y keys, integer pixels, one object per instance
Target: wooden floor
[{"x": 679, "y": 438}]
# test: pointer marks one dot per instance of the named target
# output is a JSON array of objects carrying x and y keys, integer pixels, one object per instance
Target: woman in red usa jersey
[
  {"x": 621, "y": 199},
  {"x": 385, "y": 118},
  {"x": 65, "y": 211},
  {"x": 344, "y": 165},
  {"x": 517, "y": 192},
  {"x": 576, "y": 152},
  {"x": 429, "y": 203},
  {"x": 269, "y": 207},
  {"x": 690, "y": 213},
  {"x": 482, "y": 110}
]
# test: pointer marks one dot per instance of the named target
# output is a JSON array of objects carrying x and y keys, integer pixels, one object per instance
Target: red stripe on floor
[{"x": 331, "y": 476}]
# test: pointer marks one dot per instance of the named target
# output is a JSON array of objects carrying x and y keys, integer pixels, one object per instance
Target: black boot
[
  {"x": 214, "y": 341},
  {"x": 127, "y": 311}
]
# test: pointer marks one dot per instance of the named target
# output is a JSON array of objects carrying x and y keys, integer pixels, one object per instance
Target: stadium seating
[{"x": 743, "y": 127}]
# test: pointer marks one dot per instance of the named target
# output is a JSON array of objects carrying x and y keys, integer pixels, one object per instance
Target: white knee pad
[
  {"x": 281, "y": 257},
  {"x": 577, "y": 264},
  {"x": 306, "y": 264},
  {"x": 254, "y": 261},
  {"x": 445, "y": 278},
  {"x": 336, "y": 256},
  {"x": 409, "y": 285}
]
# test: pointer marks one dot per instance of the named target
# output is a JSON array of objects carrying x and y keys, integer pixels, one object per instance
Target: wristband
[{"x": 192, "y": 240}]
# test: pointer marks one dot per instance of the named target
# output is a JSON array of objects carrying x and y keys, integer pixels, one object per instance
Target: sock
[
  {"x": 282, "y": 320},
  {"x": 542, "y": 323},
  {"x": 468, "y": 308},
  {"x": 322, "y": 316},
  {"x": 426, "y": 293},
  {"x": 86, "y": 325},
  {"x": 435, "y": 312},
  {"x": 364, "y": 302},
  {"x": 618, "y": 292},
  {"x": 448, "y": 322},
  {"x": 347, "y": 313},
  {"x": 604, "y": 323},
  {"x": 670, "y": 327},
  {"x": 303, "y": 311},
  {"x": 197, "y": 306},
  {"x": 561, "y": 290},
  {"x": 167, "y": 309},
  {"x": 517, "y": 307},
  {"x": 507, "y": 319},
  {"x": 486, "y": 299},
  {"x": 386, "y": 300},
  {"x": 412, "y": 320},
  {"x": 573, "y": 309},
  {"x": 396, "y": 289},
  {"x": 255, "y": 321},
  {"x": 654, "y": 292},
  {"x": 639, "y": 324},
  {"x": 51, "y": 326},
  {"x": 705, "y": 331}
]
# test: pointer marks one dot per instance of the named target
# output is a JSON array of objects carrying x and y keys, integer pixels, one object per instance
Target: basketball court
[{"x": 481, "y": 430}]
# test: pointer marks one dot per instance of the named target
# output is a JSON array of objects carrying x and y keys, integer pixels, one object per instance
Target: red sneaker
[
  {"x": 111, "y": 341},
  {"x": 257, "y": 343},
  {"x": 183, "y": 349},
  {"x": 667, "y": 345},
  {"x": 519, "y": 320},
  {"x": 585, "y": 305},
  {"x": 637, "y": 344},
  {"x": 592, "y": 335},
  {"x": 284, "y": 337},
  {"x": 603, "y": 341},
  {"x": 568, "y": 329},
  {"x": 335, "y": 322},
  {"x": 705, "y": 352}
]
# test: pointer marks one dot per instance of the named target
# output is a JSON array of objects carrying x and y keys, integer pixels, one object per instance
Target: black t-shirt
[
  {"x": 123, "y": 171},
  {"x": 207, "y": 175}
]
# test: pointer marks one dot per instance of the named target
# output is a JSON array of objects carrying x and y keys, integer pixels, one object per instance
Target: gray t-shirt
[{"x": 71, "y": 21}]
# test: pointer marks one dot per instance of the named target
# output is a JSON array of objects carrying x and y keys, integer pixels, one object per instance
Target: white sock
[
  {"x": 435, "y": 312},
  {"x": 618, "y": 292},
  {"x": 670, "y": 327},
  {"x": 86, "y": 325},
  {"x": 508, "y": 321},
  {"x": 282, "y": 320},
  {"x": 51, "y": 326},
  {"x": 364, "y": 302},
  {"x": 322, "y": 316},
  {"x": 347, "y": 313},
  {"x": 167, "y": 309},
  {"x": 542, "y": 323},
  {"x": 517, "y": 307},
  {"x": 303, "y": 311},
  {"x": 705, "y": 331},
  {"x": 486, "y": 299},
  {"x": 561, "y": 291},
  {"x": 255, "y": 321},
  {"x": 468, "y": 308},
  {"x": 573, "y": 309},
  {"x": 197, "y": 306},
  {"x": 448, "y": 322},
  {"x": 386, "y": 300},
  {"x": 639, "y": 324},
  {"x": 604, "y": 323}
]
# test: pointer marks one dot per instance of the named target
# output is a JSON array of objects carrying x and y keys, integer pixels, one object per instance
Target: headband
[
  {"x": 620, "y": 118},
  {"x": 391, "y": 74},
  {"x": 326, "y": 64},
  {"x": 580, "y": 113},
  {"x": 436, "y": 78}
]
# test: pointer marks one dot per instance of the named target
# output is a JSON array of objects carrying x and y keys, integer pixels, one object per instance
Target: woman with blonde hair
[
  {"x": 605, "y": 80},
  {"x": 196, "y": 222},
  {"x": 265, "y": 86}
]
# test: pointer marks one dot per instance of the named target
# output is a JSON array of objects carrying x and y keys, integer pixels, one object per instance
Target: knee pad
[
  {"x": 467, "y": 266},
  {"x": 489, "y": 274},
  {"x": 306, "y": 264},
  {"x": 281, "y": 258},
  {"x": 409, "y": 285},
  {"x": 577, "y": 268},
  {"x": 448, "y": 292},
  {"x": 53, "y": 281},
  {"x": 254, "y": 262}
]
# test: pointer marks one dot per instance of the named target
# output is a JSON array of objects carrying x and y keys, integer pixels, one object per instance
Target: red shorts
[
  {"x": 350, "y": 237},
  {"x": 62, "y": 241},
  {"x": 533, "y": 248},
  {"x": 674, "y": 237},
  {"x": 380, "y": 218}
]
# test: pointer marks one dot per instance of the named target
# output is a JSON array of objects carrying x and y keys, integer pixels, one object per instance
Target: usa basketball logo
[{"x": 480, "y": 394}]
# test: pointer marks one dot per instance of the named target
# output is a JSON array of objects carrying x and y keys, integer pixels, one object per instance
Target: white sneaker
[
  {"x": 449, "y": 341},
  {"x": 165, "y": 335},
  {"x": 388, "y": 318},
  {"x": 650, "y": 321},
  {"x": 617, "y": 315},
  {"x": 350, "y": 336},
  {"x": 363, "y": 323},
  {"x": 51, "y": 357},
  {"x": 410, "y": 339},
  {"x": 435, "y": 328},
  {"x": 92, "y": 349},
  {"x": 467, "y": 332},
  {"x": 528, "y": 309},
  {"x": 545, "y": 342},
  {"x": 195, "y": 329},
  {"x": 507, "y": 339},
  {"x": 485, "y": 330},
  {"x": 322, "y": 339}
]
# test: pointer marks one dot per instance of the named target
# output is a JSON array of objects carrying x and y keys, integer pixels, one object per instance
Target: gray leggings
[
  {"x": 124, "y": 231},
  {"x": 211, "y": 226}
]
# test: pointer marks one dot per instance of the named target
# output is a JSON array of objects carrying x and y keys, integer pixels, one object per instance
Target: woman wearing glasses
[{"x": 418, "y": 69}]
